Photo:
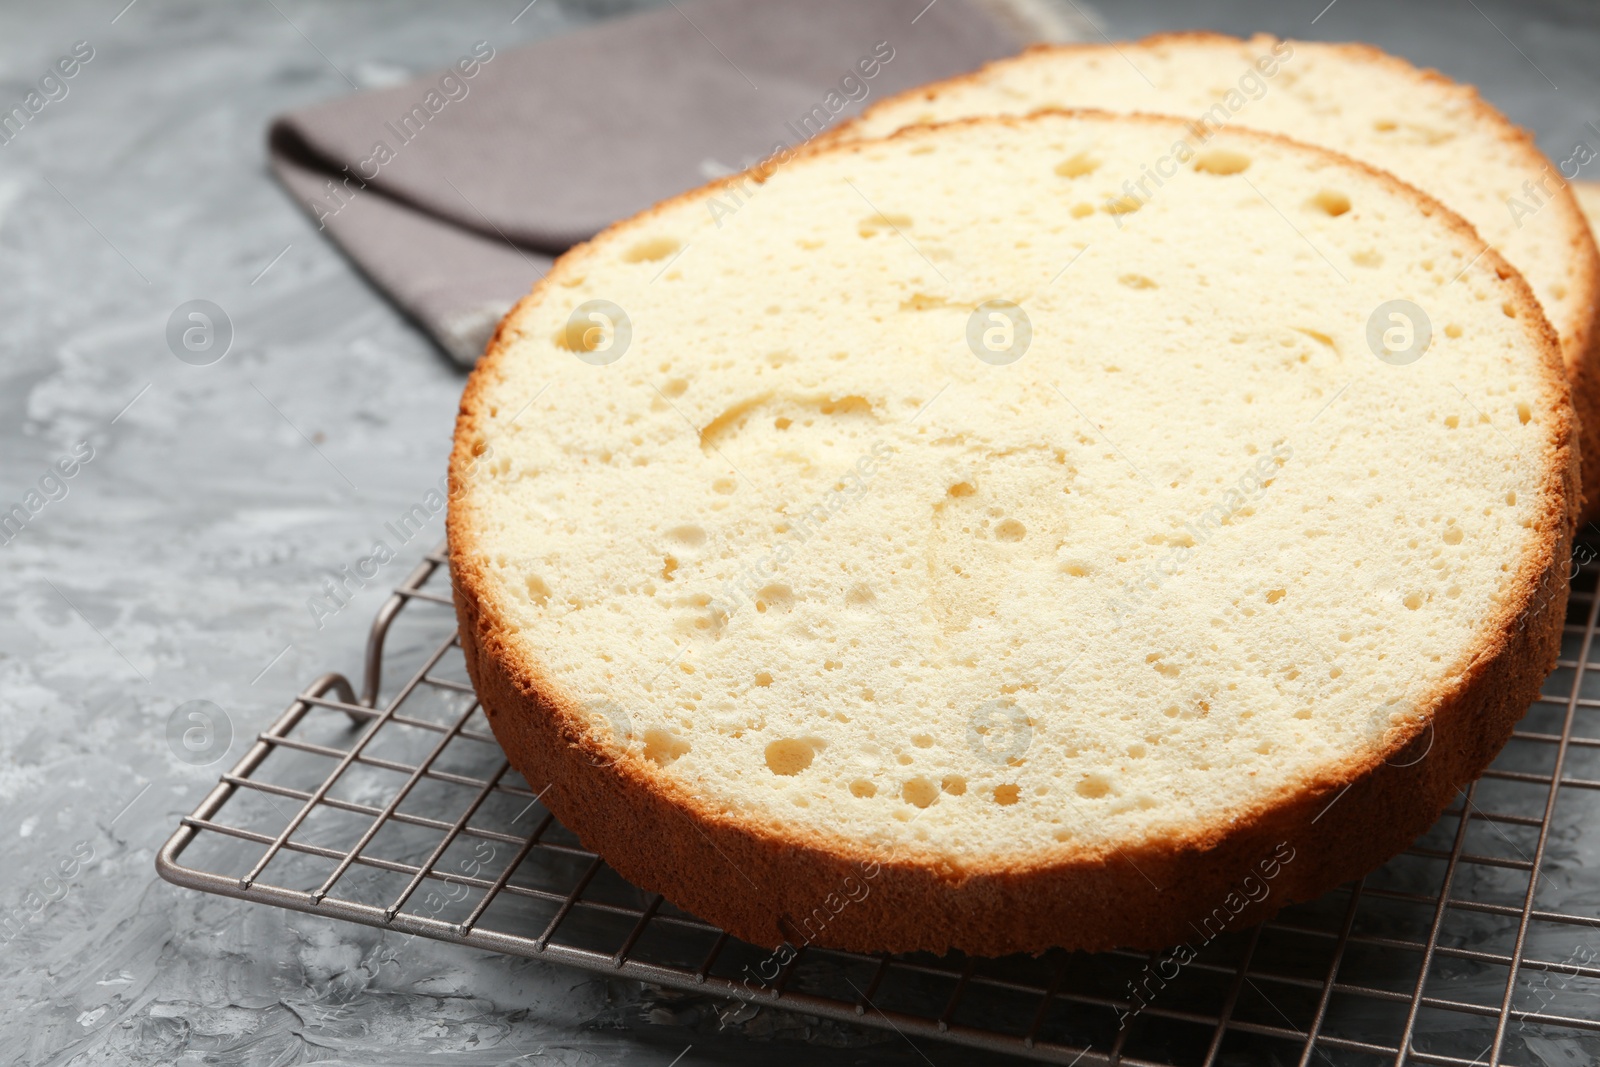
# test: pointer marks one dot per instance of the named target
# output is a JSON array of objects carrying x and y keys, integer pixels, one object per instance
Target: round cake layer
[
  {"x": 1432, "y": 132},
  {"x": 928, "y": 516}
]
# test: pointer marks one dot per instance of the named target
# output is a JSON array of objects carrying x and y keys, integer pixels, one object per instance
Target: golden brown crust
[
  {"x": 761, "y": 880},
  {"x": 1580, "y": 347}
]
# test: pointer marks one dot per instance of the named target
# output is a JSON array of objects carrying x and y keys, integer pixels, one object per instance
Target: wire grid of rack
[{"x": 1479, "y": 945}]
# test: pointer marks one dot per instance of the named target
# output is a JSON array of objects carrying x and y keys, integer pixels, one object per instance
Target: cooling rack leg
[
  {"x": 341, "y": 686},
  {"x": 373, "y": 672}
]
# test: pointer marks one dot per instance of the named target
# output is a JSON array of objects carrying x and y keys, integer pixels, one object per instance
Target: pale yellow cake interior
[
  {"x": 802, "y": 552},
  {"x": 1427, "y": 130}
]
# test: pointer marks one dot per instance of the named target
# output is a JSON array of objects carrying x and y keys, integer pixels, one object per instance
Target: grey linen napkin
[{"x": 455, "y": 192}]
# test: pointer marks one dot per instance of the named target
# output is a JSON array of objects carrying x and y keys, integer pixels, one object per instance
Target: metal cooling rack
[{"x": 1479, "y": 945}]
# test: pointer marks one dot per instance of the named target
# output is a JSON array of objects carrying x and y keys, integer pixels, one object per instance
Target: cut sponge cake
[
  {"x": 923, "y": 548},
  {"x": 1430, "y": 131}
]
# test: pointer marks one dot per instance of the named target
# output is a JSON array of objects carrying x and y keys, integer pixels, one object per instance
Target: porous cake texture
[
  {"x": 924, "y": 544},
  {"x": 1432, "y": 132}
]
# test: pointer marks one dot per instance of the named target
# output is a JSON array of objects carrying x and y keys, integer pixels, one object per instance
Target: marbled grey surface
[{"x": 178, "y": 565}]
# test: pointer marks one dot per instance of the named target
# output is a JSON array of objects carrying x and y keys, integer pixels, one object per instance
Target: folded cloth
[{"x": 455, "y": 192}]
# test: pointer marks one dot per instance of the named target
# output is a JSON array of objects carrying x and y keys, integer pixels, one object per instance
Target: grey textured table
[{"x": 178, "y": 564}]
